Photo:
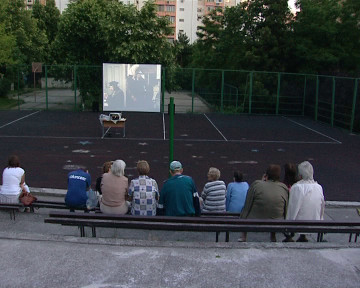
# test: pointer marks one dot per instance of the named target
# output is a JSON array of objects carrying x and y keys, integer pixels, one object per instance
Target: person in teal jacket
[{"x": 178, "y": 196}]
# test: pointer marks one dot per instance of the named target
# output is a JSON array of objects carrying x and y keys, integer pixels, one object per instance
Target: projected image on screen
[{"x": 131, "y": 87}]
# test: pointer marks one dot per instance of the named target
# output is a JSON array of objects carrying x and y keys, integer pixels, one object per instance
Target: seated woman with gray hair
[
  {"x": 213, "y": 195},
  {"x": 114, "y": 187}
]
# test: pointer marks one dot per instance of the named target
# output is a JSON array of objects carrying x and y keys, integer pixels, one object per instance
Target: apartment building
[
  {"x": 30, "y": 3},
  {"x": 185, "y": 15}
]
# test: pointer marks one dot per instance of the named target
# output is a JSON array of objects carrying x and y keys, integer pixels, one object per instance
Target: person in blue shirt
[
  {"x": 178, "y": 196},
  {"x": 236, "y": 193},
  {"x": 79, "y": 182}
]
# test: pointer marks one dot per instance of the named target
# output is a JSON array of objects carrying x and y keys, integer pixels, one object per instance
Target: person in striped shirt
[{"x": 214, "y": 192}]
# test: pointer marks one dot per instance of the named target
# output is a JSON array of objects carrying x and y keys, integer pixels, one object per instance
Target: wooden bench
[
  {"x": 13, "y": 208},
  {"x": 200, "y": 224}
]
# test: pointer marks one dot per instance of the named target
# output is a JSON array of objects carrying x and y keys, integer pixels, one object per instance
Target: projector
[{"x": 115, "y": 116}]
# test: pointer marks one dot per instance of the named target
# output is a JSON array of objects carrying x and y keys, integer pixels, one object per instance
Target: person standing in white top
[
  {"x": 306, "y": 201},
  {"x": 13, "y": 181}
]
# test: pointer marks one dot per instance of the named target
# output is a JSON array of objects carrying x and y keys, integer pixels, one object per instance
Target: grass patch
[{"x": 6, "y": 103}]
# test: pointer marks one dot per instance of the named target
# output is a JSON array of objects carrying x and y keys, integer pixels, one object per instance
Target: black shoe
[
  {"x": 302, "y": 238},
  {"x": 288, "y": 239}
]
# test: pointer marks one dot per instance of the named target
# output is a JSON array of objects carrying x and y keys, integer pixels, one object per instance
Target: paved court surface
[{"x": 51, "y": 143}]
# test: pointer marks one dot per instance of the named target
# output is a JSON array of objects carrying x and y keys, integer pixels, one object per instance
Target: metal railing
[{"x": 333, "y": 100}]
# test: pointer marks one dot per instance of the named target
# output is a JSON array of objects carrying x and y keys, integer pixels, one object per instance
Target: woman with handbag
[{"x": 13, "y": 182}]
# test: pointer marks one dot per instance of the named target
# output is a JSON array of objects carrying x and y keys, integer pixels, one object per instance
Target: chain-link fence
[{"x": 333, "y": 100}]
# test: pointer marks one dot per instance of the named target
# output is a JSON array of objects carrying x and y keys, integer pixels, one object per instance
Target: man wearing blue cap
[{"x": 178, "y": 196}]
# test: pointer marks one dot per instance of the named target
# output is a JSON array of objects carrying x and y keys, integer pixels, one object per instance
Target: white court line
[
  {"x": 19, "y": 119},
  {"x": 304, "y": 126},
  {"x": 164, "y": 127},
  {"x": 215, "y": 127},
  {"x": 179, "y": 139}
]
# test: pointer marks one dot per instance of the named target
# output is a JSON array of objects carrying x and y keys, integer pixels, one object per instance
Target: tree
[
  {"x": 318, "y": 44},
  {"x": 47, "y": 17},
  {"x": 92, "y": 32},
  {"x": 183, "y": 50},
  {"x": 31, "y": 43}
]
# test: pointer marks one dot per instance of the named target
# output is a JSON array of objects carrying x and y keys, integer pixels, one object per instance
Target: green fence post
[
  {"x": 171, "y": 130},
  {"x": 192, "y": 90},
  {"x": 163, "y": 91},
  {"x": 222, "y": 91},
  {"x": 75, "y": 86},
  {"x": 278, "y": 94},
  {"x": 317, "y": 97},
  {"x": 18, "y": 92},
  {"x": 304, "y": 98},
  {"x": 46, "y": 89},
  {"x": 250, "y": 91},
  {"x": 333, "y": 102},
  {"x": 354, "y": 105}
]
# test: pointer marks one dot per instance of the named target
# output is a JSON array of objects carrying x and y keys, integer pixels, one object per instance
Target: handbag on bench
[{"x": 27, "y": 198}]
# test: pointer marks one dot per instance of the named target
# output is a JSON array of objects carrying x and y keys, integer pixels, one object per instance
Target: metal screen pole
[
  {"x": 163, "y": 90},
  {"x": 171, "y": 130}
]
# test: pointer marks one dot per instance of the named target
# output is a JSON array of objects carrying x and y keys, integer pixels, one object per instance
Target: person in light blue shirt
[{"x": 236, "y": 193}]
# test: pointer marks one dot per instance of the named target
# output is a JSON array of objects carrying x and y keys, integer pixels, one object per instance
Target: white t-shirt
[{"x": 11, "y": 181}]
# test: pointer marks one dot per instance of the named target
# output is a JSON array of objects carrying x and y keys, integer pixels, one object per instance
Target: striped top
[{"x": 214, "y": 196}]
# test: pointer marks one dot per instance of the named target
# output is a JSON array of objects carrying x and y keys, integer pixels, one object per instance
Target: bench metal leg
[
  {"x": 356, "y": 236},
  {"x": 217, "y": 236},
  {"x": 82, "y": 231},
  {"x": 12, "y": 214},
  {"x": 93, "y": 230},
  {"x": 350, "y": 236},
  {"x": 227, "y": 238}
]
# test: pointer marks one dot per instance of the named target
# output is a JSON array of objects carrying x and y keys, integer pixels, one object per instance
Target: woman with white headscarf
[
  {"x": 114, "y": 187},
  {"x": 306, "y": 201}
]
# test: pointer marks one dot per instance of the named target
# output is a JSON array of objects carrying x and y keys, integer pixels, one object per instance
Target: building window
[
  {"x": 171, "y": 19},
  {"x": 181, "y": 31},
  {"x": 199, "y": 9},
  {"x": 161, "y": 8},
  {"x": 210, "y": 8},
  {"x": 182, "y": 9},
  {"x": 170, "y": 8},
  {"x": 181, "y": 20},
  {"x": 209, "y": 0}
]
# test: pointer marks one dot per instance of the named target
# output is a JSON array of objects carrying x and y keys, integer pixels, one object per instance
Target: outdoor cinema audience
[
  {"x": 79, "y": 183},
  {"x": 306, "y": 201},
  {"x": 105, "y": 169},
  {"x": 298, "y": 197},
  {"x": 114, "y": 187},
  {"x": 178, "y": 196},
  {"x": 236, "y": 193},
  {"x": 13, "y": 181},
  {"x": 143, "y": 192},
  {"x": 266, "y": 199},
  {"x": 213, "y": 195}
]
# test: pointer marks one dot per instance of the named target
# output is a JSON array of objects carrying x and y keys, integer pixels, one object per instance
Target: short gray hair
[
  {"x": 306, "y": 170},
  {"x": 118, "y": 168},
  {"x": 214, "y": 173}
]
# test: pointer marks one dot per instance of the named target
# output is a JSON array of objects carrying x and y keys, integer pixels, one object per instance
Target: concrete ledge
[{"x": 173, "y": 244}]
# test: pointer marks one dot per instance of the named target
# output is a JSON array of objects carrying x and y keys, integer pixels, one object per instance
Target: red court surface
[{"x": 51, "y": 143}]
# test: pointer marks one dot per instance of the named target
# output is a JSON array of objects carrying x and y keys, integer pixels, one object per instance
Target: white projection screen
[{"x": 131, "y": 87}]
